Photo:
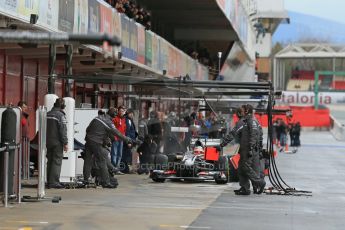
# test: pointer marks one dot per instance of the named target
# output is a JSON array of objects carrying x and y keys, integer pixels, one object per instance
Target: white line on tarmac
[
  {"x": 27, "y": 222},
  {"x": 167, "y": 207},
  {"x": 190, "y": 207},
  {"x": 183, "y": 226},
  {"x": 266, "y": 209},
  {"x": 195, "y": 227}
]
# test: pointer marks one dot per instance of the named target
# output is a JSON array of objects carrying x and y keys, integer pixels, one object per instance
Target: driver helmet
[{"x": 198, "y": 150}]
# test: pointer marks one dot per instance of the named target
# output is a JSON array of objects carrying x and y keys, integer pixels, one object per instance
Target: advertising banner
[
  {"x": 133, "y": 40},
  {"x": 193, "y": 69},
  {"x": 183, "y": 64},
  {"x": 163, "y": 59},
  {"x": 221, "y": 4},
  {"x": 155, "y": 52},
  {"x": 9, "y": 6},
  {"x": 125, "y": 36},
  {"x": 165, "y": 50},
  {"x": 116, "y": 23},
  {"x": 188, "y": 67},
  {"x": 160, "y": 53},
  {"x": 141, "y": 44},
  {"x": 243, "y": 25},
  {"x": 233, "y": 12},
  {"x": 106, "y": 23},
  {"x": 66, "y": 15},
  {"x": 205, "y": 74},
  {"x": 175, "y": 54},
  {"x": 188, "y": 62},
  {"x": 94, "y": 17},
  {"x": 198, "y": 71},
  {"x": 116, "y": 28},
  {"x": 148, "y": 48},
  {"x": 81, "y": 16},
  {"x": 169, "y": 60},
  {"x": 28, "y": 7},
  {"x": 228, "y": 9},
  {"x": 179, "y": 55},
  {"x": 48, "y": 14},
  {"x": 308, "y": 98}
]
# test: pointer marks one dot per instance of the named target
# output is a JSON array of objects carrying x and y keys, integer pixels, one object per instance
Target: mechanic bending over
[
  {"x": 246, "y": 133},
  {"x": 99, "y": 129}
]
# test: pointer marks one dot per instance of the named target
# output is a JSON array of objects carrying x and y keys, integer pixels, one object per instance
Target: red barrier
[
  {"x": 306, "y": 115},
  {"x": 339, "y": 85}
]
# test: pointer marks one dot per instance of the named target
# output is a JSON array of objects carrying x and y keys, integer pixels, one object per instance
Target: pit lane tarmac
[{"x": 138, "y": 203}]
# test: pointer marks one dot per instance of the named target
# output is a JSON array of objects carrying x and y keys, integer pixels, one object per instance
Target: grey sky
[{"x": 330, "y": 9}]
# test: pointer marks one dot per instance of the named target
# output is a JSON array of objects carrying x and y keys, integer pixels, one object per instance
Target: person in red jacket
[
  {"x": 24, "y": 120},
  {"x": 119, "y": 122},
  {"x": 25, "y": 141}
]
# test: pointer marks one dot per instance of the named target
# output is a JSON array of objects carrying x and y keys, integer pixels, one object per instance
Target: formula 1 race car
[{"x": 205, "y": 162}]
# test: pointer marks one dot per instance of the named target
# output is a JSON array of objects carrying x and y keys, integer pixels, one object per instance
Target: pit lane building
[{"x": 235, "y": 33}]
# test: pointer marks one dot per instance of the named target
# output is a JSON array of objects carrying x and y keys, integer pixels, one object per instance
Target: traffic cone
[{"x": 286, "y": 147}]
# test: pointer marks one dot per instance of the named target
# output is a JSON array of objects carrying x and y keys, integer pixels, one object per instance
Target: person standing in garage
[{"x": 56, "y": 142}]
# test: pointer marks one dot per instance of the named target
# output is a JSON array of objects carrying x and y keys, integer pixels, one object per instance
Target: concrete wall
[
  {"x": 270, "y": 5},
  {"x": 337, "y": 129},
  {"x": 264, "y": 45}
]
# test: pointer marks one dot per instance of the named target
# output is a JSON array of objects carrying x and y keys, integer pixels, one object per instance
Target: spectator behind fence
[{"x": 132, "y": 10}]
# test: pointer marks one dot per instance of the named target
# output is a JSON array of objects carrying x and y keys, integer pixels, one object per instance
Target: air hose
[{"x": 280, "y": 187}]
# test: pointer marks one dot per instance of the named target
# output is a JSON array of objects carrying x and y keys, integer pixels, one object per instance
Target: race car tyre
[
  {"x": 155, "y": 178},
  {"x": 223, "y": 166},
  {"x": 158, "y": 180}
]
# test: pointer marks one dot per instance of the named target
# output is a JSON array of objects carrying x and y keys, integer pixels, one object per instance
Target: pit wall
[{"x": 337, "y": 129}]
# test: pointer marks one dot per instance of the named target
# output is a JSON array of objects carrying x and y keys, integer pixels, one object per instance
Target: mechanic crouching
[
  {"x": 246, "y": 133},
  {"x": 99, "y": 129}
]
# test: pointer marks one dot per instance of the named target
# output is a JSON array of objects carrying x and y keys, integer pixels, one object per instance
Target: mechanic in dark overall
[
  {"x": 154, "y": 127},
  {"x": 87, "y": 157},
  {"x": 99, "y": 129},
  {"x": 257, "y": 157},
  {"x": 56, "y": 142},
  {"x": 245, "y": 133}
]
